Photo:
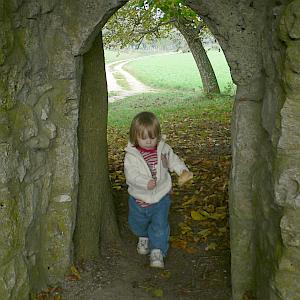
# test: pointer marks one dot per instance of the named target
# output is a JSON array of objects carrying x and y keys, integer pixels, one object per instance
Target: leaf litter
[{"x": 201, "y": 205}]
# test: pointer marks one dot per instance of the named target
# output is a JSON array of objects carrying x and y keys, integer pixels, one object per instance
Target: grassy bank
[{"x": 169, "y": 106}]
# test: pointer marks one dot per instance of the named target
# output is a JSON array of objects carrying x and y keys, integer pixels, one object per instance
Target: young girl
[{"x": 148, "y": 160}]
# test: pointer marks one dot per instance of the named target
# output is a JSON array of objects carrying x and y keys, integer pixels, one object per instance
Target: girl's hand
[
  {"x": 184, "y": 177},
  {"x": 151, "y": 184}
]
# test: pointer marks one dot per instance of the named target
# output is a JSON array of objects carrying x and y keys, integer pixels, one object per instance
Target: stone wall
[
  {"x": 267, "y": 236},
  {"x": 261, "y": 42},
  {"x": 287, "y": 165},
  {"x": 41, "y": 48}
]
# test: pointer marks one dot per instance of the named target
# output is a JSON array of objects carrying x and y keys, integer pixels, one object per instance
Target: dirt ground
[{"x": 122, "y": 274}]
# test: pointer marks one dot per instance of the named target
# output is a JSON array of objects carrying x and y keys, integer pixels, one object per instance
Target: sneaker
[
  {"x": 156, "y": 259},
  {"x": 143, "y": 246}
]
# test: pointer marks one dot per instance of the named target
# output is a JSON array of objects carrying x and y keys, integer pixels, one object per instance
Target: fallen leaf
[
  {"x": 191, "y": 250},
  {"x": 218, "y": 216},
  {"x": 72, "y": 278},
  {"x": 157, "y": 292},
  {"x": 184, "y": 228},
  {"x": 211, "y": 246},
  {"x": 197, "y": 216},
  {"x": 42, "y": 296},
  {"x": 204, "y": 232},
  {"x": 165, "y": 274},
  {"x": 179, "y": 244},
  {"x": 75, "y": 272}
]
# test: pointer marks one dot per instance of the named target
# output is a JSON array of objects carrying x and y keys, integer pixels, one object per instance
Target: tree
[
  {"x": 192, "y": 36},
  {"x": 95, "y": 220},
  {"x": 139, "y": 20}
]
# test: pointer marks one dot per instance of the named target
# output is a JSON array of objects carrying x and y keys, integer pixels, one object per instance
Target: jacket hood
[{"x": 130, "y": 148}]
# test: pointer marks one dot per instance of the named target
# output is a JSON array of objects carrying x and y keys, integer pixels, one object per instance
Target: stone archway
[{"x": 41, "y": 58}]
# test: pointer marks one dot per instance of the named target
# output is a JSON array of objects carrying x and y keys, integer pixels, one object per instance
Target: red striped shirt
[{"x": 150, "y": 157}]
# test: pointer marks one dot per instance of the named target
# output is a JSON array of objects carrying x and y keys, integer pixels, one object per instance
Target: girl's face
[{"x": 146, "y": 142}]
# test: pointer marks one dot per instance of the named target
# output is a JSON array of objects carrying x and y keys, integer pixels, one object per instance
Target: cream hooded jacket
[{"x": 138, "y": 174}]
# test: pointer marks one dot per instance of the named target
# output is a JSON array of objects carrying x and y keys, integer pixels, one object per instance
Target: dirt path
[
  {"x": 130, "y": 85},
  {"x": 122, "y": 274},
  {"x": 121, "y": 84}
]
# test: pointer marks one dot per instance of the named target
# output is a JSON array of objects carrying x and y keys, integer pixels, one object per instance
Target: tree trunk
[
  {"x": 95, "y": 219},
  {"x": 192, "y": 37}
]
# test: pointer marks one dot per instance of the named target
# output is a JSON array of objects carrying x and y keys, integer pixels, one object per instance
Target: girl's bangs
[{"x": 148, "y": 131}]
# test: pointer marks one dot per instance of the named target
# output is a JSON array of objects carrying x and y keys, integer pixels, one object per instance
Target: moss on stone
[
  {"x": 289, "y": 28},
  {"x": 10, "y": 229},
  {"x": 56, "y": 236},
  {"x": 2, "y": 56},
  {"x": 7, "y": 101},
  {"x": 293, "y": 56},
  {"x": 4, "y": 132},
  {"x": 6, "y": 34}
]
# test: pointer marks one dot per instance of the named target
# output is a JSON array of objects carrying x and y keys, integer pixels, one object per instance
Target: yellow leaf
[
  {"x": 218, "y": 216},
  {"x": 197, "y": 216},
  {"x": 117, "y": 187},
  {"x": 158, "y": 292},
  {"x": 165, "y": 274},
  {"x": 75, "y": 272},
  {"x": 190, "y": 201},
  {"x": 204, "y": 232},
  {"x": 205, "y": 213},
  {"x": 155, "y": 292},
  {"x": 211, "y": 246},
  {"x": 184, "y": 228}
]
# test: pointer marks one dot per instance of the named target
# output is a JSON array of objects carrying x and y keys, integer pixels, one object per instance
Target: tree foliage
[{"x": 148, "y": 20}]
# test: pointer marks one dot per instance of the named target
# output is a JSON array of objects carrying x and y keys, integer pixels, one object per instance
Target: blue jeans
[{"x": 151, "y": 222}]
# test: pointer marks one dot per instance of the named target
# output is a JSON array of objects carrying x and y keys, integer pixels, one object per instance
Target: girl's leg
[
  {"x": 137, "y": 218},
  {"x": 159, "y": 230}
]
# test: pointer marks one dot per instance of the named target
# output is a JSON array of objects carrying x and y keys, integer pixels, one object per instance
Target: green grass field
[
  {"x": 179, "y": 71},
  {"x": 169, "y": 106}
]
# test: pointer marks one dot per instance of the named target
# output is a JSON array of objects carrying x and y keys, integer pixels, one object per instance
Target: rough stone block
[
  {"x": 290, "y": 228},
  {"x": 293, "y": 56},
  {"x": 287, "y": 191}
]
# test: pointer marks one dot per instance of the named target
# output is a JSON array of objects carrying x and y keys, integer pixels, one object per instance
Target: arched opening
[{"x": 184, "y": 253}]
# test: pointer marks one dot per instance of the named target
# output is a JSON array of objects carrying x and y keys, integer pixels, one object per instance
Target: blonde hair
[{"x": 144, "y": 123}]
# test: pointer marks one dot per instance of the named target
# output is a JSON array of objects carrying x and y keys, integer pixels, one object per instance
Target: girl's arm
[
  {"x": 133, "y": 175},
  {"x": 175, "y": 163}
]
